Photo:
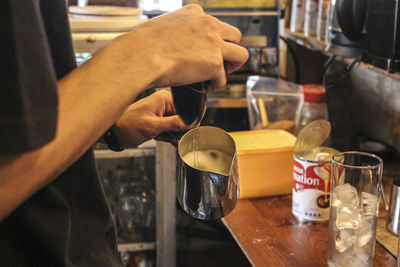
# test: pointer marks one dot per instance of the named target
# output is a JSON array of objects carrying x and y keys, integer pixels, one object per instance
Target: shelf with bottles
[
  {"x": 313, "y": 44},
  {"x": 308, "y": 42},
  {"x": 316, "y": 45}
]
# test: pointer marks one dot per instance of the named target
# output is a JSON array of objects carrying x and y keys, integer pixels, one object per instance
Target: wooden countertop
[{"x": 270, "y": 235}]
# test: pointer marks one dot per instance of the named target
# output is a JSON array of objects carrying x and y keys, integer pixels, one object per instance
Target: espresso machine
[
  {"x": 382, "y": 38},
  {"x": 346, "y": 24},
  {"x": 369, "y": 29}
]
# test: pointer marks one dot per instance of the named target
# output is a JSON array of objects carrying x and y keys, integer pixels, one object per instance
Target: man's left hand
[{"x": 148, "y": 118}]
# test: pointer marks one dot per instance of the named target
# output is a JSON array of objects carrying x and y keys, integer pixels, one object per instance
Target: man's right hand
[{"x": 183, "y": 47}]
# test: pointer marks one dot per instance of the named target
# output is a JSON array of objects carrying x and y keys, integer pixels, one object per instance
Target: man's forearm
[{"x": 90, "y": 101}]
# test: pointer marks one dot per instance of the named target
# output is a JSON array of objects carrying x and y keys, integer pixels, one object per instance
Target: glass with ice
[{"x": 356, "y": 184}]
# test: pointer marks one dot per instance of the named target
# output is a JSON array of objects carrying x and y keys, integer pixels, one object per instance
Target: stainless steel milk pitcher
[{"x": 202, "y": 193}]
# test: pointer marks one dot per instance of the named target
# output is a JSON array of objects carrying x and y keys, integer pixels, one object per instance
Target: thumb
[{"x": 172, "y": 124}]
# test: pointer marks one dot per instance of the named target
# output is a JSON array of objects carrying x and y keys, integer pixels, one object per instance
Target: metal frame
[
  {"x": 127, "y": 153},
  {"x": 165, "y": 205},
  {"x": 165, "y": 244}
]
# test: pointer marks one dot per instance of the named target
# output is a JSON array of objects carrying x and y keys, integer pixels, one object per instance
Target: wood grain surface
[{"x": 270, "y": 235}]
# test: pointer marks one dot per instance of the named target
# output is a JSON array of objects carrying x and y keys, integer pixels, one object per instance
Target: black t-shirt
[{"x": 68, "y": 222}]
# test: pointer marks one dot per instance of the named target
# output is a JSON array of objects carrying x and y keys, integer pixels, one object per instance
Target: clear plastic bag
[{"x": 273, "y": 103}]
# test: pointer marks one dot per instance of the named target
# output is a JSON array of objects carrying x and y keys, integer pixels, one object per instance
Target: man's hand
[
  {"x": 183, "y": 47},
  {"x": 147, "y": 119}
]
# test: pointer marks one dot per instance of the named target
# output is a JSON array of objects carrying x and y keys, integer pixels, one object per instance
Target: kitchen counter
[{"x": 270, "y": 235}]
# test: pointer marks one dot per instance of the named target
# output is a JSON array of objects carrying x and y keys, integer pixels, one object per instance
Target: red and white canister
[{"x": 311, "y": 173}]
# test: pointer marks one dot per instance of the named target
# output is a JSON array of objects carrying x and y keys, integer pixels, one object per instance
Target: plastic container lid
[
  {"x": 314, "y": 93},
  {"x": 268, "y": 140}
]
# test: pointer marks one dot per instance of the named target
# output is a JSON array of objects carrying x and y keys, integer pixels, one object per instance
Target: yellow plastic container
[{"x": 265, "y": 159}]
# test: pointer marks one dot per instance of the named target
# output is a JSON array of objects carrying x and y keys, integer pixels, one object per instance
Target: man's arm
[{"x": 183, "y": 47}]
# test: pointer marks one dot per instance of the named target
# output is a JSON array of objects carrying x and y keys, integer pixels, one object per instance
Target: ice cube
[
  {"x": 335, "y": 202},
  {"x": 365, "y": 232},
  {"x": 343, "y": 259},
  {"x": 331, "y": 263},
  {"x": 369, "y": 205},
  {"x": 364, "y": 238},
  {"x": 362, "y": 256},
  {"x": 347, "y": 217},
  {"x": 344, "y": 240},
  {"x": 360, "y": 250},
  {"x": 361, "y": 260},
  {"x": 345, "y": 194}
]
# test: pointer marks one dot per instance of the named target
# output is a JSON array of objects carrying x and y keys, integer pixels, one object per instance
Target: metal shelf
[
  {"x": 140, "y": 246},
  {"x": 311, "y": 43},
  {"x": 165, "y": 244},
  {"x": 146, "y": 149},
  {"x": 127, "y": 153}
]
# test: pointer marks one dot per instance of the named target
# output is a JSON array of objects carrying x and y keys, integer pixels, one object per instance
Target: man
[{"x": 52, "y": 208}]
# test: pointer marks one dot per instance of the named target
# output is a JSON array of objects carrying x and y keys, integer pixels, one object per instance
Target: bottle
[
  {"x": 323, "y": 15},
  {"x": 297, "y": 16},
  {"x": 314, "y": 106},
  {"x": 310, "y": 17}
]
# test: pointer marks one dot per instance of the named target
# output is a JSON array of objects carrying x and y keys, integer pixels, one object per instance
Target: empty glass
[
  {"x": 356, "y": 185},
  {"x": 129, "y": 185},
  {"x": 136, "y": 205}
]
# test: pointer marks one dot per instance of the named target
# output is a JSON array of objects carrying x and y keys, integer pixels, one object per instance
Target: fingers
[
  {"x": 218, "y": 82},
  {"x": 234, "y": 56},
  {"x": 172, "y": 124},
  {"x": 230, "y": 33},
  {"x": 169, "y": 138},
  {"x": 171, "y": 128},
  {"x": 226, "y": 31},
  {"x": 165, "y": 96},
  {"x": 193, "y": 7},
  {"x": 198, "y": 34}
]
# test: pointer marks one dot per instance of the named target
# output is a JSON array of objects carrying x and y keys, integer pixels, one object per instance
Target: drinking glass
[
  {"x": 356, "y": 185},
  {"x": 135, "y": 206}
]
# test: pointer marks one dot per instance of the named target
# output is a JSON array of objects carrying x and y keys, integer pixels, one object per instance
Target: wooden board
[{"x": 270, "y": 235}]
